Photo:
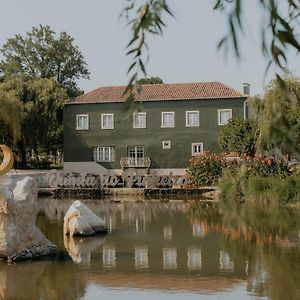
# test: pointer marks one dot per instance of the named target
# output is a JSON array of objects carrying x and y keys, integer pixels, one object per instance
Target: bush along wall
[{"x": 243, "y": 178}]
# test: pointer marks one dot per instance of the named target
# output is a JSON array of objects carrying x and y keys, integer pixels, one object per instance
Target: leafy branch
[{"x": 147, "y": 21}]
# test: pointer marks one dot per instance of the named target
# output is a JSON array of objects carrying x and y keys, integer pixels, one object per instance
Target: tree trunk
[{"x": 22, "y": 154}]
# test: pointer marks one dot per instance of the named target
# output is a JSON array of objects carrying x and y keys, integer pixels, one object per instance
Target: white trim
[
  {"x": 166, "y": 144},
  {"x": 219, "y": 115},
  {"x": 133, "y": 119},
  {"x": 113, "y": 122},
  {"x": 167, "y": 112},
  {"x": 87, "y": 125},
  {"x": 99, "y": 151},
  {"x": 197, "y": 153},
  {"x": 186, "y": 118}
]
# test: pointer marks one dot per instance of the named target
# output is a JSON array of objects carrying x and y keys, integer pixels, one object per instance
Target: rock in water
[
  {"x": 19, "y": 237},
  {"x": 80, "y": 220}
]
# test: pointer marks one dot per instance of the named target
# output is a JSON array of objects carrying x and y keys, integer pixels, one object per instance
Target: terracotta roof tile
[{"x": 162, "y": 92}]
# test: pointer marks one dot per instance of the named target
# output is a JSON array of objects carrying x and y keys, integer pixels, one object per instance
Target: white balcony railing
[{"x": 131, "y": 162}]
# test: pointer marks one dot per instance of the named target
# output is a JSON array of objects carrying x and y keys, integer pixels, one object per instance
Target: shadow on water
[{"x": 177, "y": 246}]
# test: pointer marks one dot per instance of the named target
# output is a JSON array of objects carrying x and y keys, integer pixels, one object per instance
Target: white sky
[{"x": 187, "y": 52}]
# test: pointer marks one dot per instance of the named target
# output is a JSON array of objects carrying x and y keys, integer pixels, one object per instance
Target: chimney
[{"x": 246, "y": 88}]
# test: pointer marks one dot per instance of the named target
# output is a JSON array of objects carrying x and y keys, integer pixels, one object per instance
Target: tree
[
  {"x": 38, "y": 124},
  {"x": 11, "y": 116},
  {"x": 279, "y": 121},
  {"x": 239, "y": 136},
  {"x": 151, "y": 80},
  {"x": 43, "y": 54}
]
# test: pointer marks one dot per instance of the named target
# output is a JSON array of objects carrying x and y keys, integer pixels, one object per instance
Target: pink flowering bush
[
  {"x": 208, "y": 168},
  {"x": 205, "y": 169}
]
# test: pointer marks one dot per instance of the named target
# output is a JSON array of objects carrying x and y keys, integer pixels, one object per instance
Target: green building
[{"x": 161, "y": 132}]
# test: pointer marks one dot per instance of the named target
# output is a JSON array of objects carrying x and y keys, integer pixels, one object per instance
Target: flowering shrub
[
  {"x": 206, "y": 169},
  {"x": 264, "y": 166}
]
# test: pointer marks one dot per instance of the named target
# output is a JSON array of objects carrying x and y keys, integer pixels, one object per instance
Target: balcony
[{"x": 132, "y": 162}]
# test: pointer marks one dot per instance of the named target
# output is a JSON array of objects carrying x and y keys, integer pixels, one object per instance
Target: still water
[{"x": 165, "y": 250}]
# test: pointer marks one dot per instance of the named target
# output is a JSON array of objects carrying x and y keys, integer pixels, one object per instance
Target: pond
[{"x": 162, "y": 250}]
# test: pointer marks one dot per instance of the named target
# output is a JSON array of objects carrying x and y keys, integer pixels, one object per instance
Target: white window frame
[
  {"x": 197, "y": 153},
  {"x": 219, "y": 115},
  {"x": 187, "y": 119},
  {"x": 77, "y": 123},
  {"x": 166, "y": 144},
  {"x": 141, "y": 114},
  {"x": 99, "y": 153},
  {"x": 162, "y": 119},
  {"x": 113, "y": 121}
]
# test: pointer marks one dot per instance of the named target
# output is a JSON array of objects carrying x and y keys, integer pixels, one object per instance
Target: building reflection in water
[
  {"x": 170, "y": 258},
  {"x": 160, "y": 244},
  {"x": 199, "y": 230},
  {"x": 109, "y": 256},
  {"x": 136, "y": 225},
  {"x": 141, "y": 259},
  {"x": 226, "y": 264},
  {"x": 194, "y": 261},
  {"x": 167, "y": 232},
  {"x": 110, "y": 221}
]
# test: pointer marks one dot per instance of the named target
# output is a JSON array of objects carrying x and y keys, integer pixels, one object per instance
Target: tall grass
[{"x": 237, "y": 186}]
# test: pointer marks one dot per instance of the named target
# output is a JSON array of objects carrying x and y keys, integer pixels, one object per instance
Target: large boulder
[
  {"x": 80, "y": 220},
  {"x": 19, "y": 236}
]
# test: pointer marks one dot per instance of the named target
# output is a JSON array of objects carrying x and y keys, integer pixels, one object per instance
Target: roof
[{"x": 163, "y": 92}]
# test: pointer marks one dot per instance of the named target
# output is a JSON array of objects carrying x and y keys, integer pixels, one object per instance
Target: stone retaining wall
[{"x": 97, "y": 193}]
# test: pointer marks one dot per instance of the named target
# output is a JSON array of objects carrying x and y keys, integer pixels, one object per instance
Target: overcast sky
[{"x": 187, "y": 52}]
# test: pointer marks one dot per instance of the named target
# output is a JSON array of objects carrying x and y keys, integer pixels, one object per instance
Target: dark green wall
[{"x": 78, "y": 144}]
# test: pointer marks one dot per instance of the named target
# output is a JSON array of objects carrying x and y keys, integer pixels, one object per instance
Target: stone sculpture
[
  {"x": 80, "y": 220},
  {"x": 8, "y": 159},
  {"x": 19, "y": 237}
]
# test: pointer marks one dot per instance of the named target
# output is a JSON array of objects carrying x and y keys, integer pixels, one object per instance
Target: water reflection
[
  {"x": 41, "y": 280},
  {"x": 169, "y": 258},
  {"x": 226, "y": 263},
  {"x": 109, "y": 257},
  {"x": 168, "y": 232},
  {"x": 194, "y": 259},
  {"x": 25, "y": 275},
  {"x": 80, "y": 249},
  {"x": 199, "y": 230},
  {"x": 182, "y": 246},
  {"x": 141, "y": 258}
]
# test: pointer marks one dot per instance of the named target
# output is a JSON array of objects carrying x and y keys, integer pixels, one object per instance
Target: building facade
[{"x": 161, "y": 132}]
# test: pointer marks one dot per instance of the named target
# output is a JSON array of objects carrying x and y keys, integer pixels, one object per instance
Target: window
[
  {"x": 224, "y": 116},
  {"x": 166, "y": 144},
  {"x": 192, "y": 118},
  {"x": 136, "y": 155},
  {"x": 167, "y": 119},
  {"x": 197, "y": 148},
  {"x": 107, "y": 121},
  {"x": 82, "y": 122},
  {"x": 104, "y": 154},
  {"x": 139, "y": 120}
]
